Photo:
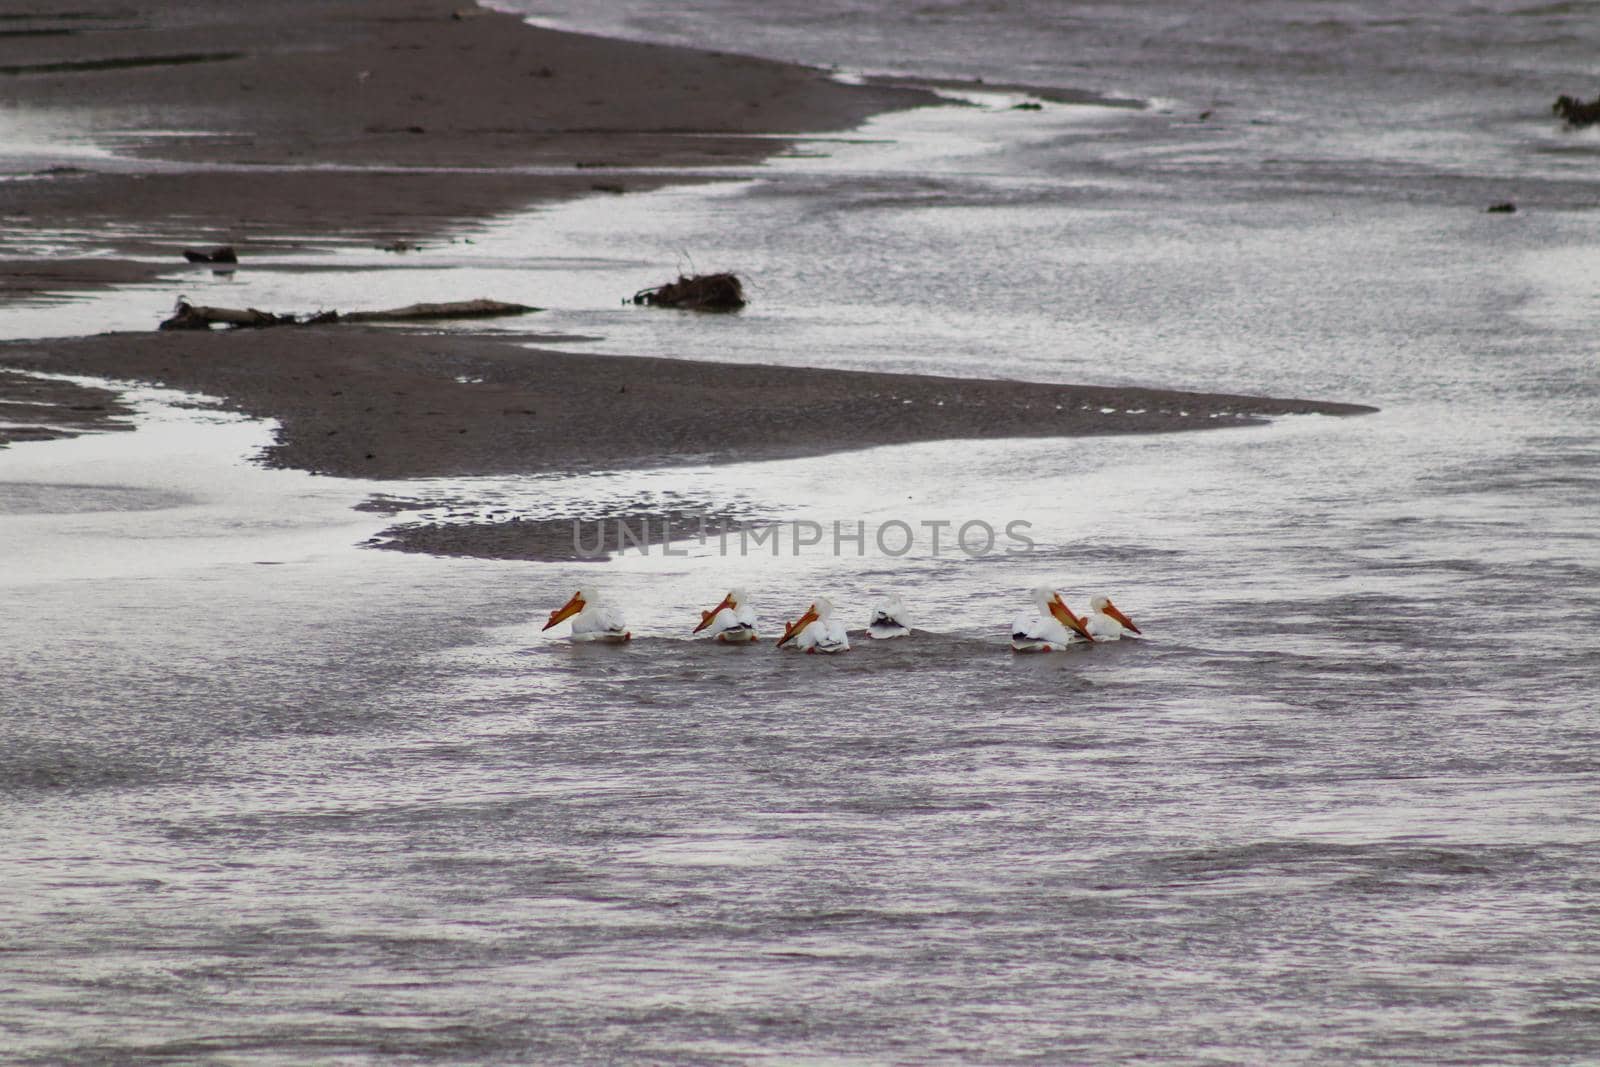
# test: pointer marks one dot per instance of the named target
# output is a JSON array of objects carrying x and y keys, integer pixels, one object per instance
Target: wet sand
[
  {"x": 378, "y": 403},
  {"x": 312, "y": 123},
  {"x": 43, "y": 409},
  {"x": 485, "y": 531},
  {"x": 393, "y": 404},
  {"x": 362, "y": 120}
]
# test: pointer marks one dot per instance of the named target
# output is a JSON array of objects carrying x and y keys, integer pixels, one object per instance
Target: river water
[{"x": 270, "y": 797}]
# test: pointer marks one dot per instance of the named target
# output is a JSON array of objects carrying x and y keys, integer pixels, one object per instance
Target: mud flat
[
  {"x": 306, "y": 123},
  {"x": 376, "y": 403},
  {"x": 361, "y": 120}
]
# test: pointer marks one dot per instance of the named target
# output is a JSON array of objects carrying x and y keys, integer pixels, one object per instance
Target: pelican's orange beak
[
  {"x": 790, "y": 629},
  {"x": 1111, "y": 610},
  {"x": 571, "y": 607},
  {"x": 707, "y": 616},
  {"x": 1059, "y": 609}
]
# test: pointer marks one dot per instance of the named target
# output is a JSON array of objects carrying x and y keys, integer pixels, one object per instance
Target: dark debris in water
[
  {"x": 696, "y": 292},
  {"x": 1577, "y": 113},
  {"x": 220, "y": 254}
]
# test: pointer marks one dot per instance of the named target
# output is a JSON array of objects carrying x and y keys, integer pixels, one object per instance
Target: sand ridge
[
  {"x": 372, "y": 120},
  {"x": 365, "y": 120},
  {"x": 388, "y": 403}
]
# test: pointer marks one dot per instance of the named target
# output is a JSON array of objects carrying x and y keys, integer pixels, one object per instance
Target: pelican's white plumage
[
  {"x": 1106, "y": 622},
  {"x": 889, "y": 619},
  {"x": 1049, "y": 629},
  {"x": 731, "y": 622},
  {"x": 817, "y": 630},
  {"x": 592, "y": 618}
]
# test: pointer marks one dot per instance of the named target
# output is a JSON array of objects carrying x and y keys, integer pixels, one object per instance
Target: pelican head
[
  {"x": 1050, "y": 603},
  {"x": 580, "y": 600},
  {"x": 732, "y": 601},
  {"x": 819, "y": 610},
  {"x": 1104, "y": 606}
]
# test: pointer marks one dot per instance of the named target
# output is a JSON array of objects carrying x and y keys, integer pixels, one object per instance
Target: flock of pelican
[{"x": 1050, "y": 627}]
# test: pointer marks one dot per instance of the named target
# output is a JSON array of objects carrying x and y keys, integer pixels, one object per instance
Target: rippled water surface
[{"x": 269, "y": 797}]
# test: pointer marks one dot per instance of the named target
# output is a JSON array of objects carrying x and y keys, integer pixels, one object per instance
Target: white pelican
[
  {"x": 889, "y": 619},
  {"x": 1052, "y": 629},
  {"x": 817, "y": 630},
  {"x": 595, "y": 620},
  {"x": 1105, "y": 622},
  {"x": 733, "y": 621}
]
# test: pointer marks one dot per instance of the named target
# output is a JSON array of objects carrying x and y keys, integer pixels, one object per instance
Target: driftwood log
[
  {"x": 189, "y": 316},
  {"x": 460, "y": 309},
  {"x": 195, "y": 317},
  {"x": 699, "y": 292}
]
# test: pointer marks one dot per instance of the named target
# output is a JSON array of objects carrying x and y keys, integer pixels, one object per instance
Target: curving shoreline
[
  {"x": 380, "y": 403},
  {"x": 319, "y": 121},
  {"x": 362, "y": 120}
]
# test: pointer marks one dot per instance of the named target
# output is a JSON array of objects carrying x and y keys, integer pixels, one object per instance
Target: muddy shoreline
[
  {"x": 291, "y": 125},
  {"x": 384, "y": 403},
  {"x": 46, "y": 409},
  {"x": 391, "y": 404},
  {"x": 314, "y": 124}
]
